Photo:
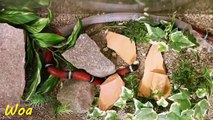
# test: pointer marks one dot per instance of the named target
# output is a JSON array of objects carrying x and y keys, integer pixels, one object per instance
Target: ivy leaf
[
  {"x": 191, "y": 37},
  {"x": 121, "y": 103},
  {"x": 146, "y": 114},
  {"x": 111, "y": 115},
  {"x": 201, "y": 109},
  {"x": 47, "y": 39},
  {"x": 162, "y": 102},
  {"x": 126, "y": 94},
  {"x": 201, "y": 93},
  {"x": 182, "y": 99},
  {"x": 139, "y": 105},
  {"x": 184, "y": 94},
  {"x": 36, "y": 79},
  {"x": 187, "y": 114},
  {"x": 168, "y": 25},
  {"x": 95, "y": 113},
  {"x": 48, "y": 85},
  {"x": 175, "y": 108},
  {"x": 163, "y": 47},
  {"x": 179, "y": 41},
  {"x": 208, "y": 76},
  {"x": 17, "y": 16},
  {"x": 129, "y": 116},
  {"x": 154, "y": 33},
  {"x": 162, "y": 116},
  {"x": 173, "y": 116}
]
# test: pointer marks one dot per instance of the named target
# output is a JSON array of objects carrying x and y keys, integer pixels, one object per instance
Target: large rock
[
  {"x": 12, "y": 77},
  {"x": 86, "y": 55},
  {"x": 77, "y": 94}
]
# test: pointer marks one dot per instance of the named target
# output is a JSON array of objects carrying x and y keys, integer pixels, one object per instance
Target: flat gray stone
[
  {"x": 12, "y": 60},
  {"x": 77, "y": 94},
  {"x": 87, "y": 55}
]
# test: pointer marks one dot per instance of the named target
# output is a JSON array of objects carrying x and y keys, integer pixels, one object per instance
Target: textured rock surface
[
  {"x": 12, "y": 77},
  {"x": 77, "y": 94},
  {"x": 86, "y": 55}
]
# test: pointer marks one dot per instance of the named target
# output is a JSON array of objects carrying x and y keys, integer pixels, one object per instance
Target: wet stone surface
[
  {"x": 87, "y": 55},
  {"x": 12, "y": 57}
]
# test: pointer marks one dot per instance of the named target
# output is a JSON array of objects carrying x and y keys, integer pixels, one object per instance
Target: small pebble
[
  {"x": 105, "y": 49},
  {"x": 143, "y": 54},
  {"x": 114, "y": 54}
]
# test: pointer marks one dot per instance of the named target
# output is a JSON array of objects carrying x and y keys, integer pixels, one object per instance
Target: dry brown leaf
[
  {"x": 154, "y": 79},
  {"x": 123, "y": 46},
  {"x": 110, "y": 92}
]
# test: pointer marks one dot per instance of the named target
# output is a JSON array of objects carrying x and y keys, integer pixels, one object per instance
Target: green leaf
[
  {"x": 36, "y": 79},
  {"x": 50, "y": 14},
  {"x": 47, "y": 39},
  {"x": 129, "y": 116},
  {"x": 17, "y": 16},
  {"x": 111, "y": 115},
  {"x": 154, "y": 33},
  {"x": 135, "y": 30},
  {"x": 173, "y": 116},
  {"x": 121, "y": 103},
  {"x": 63, "y": 109},
  {"x": 29, "y": 51},
  {"x": 187, "y": 114},
  {"x": 208, "y": 79},
  {"x": 163, "y": 47},
  {"x": 175, "y": 108},
  {"x": 95, "y": 113},
  {"x": 72, "y": 38},
  {"x": 179, "y": 41},
  {"x": 48, "y": 85},
  {"x": 191, "y": 37},
  {"x": 38, "y": 25},
  {"x": 201, "y": 93},
  {"x": 138, "y": 105},
  {"x": 162, "y": 116},
  {"x": 184, "y": 94},
  {"x": 146, "y": 114},
  {"x": 126, "y": 94},
  {"x": 162, "y": 102},
  {"x": 37, "y": 100},
  {"x": 168, "y": 25},
  {"x": 44, "y": 2},
  {"x": 201, "y": 109},
  {"x": 132, "y": 83},
  {"x": 182, "y": 99},
  {"x": 184, "y": 104}
]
